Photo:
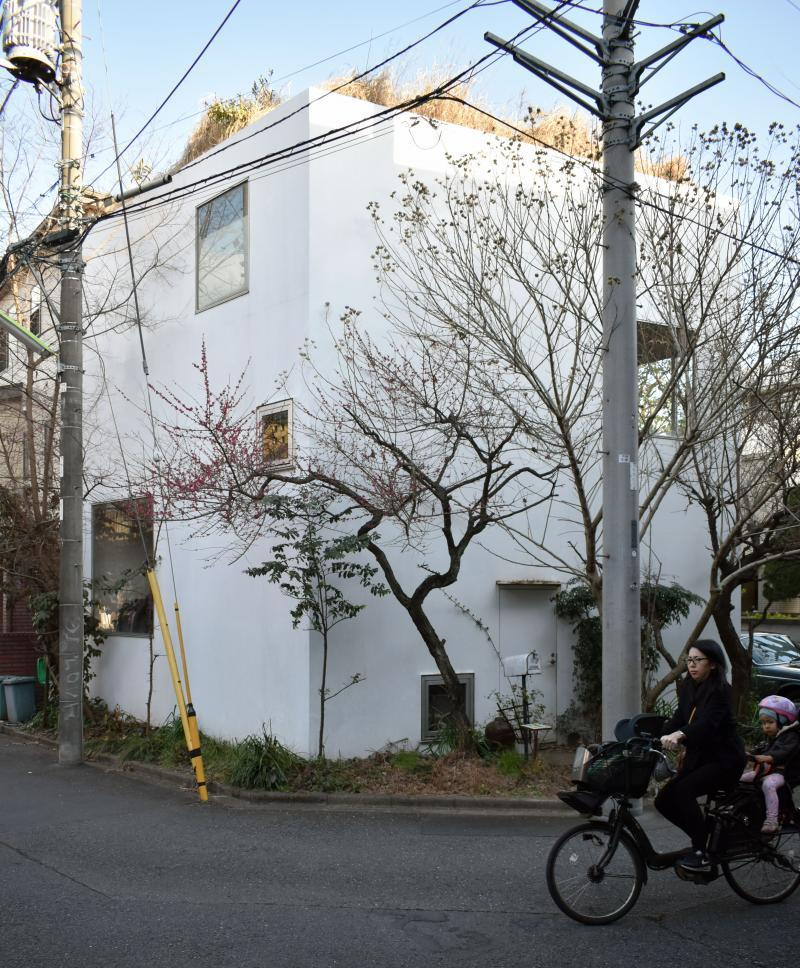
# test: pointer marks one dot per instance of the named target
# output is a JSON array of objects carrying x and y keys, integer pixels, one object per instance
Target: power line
[
  {"x": 180, "y": 81},
  {"x": 352, "y": 80},
  {"x": 336, "y": 134},
  {"x": 195, "y": 114},
  {"x": 609, "y": 183},
  {"x": 363, "y": 43},
  {"x": 752, "y": 72}
]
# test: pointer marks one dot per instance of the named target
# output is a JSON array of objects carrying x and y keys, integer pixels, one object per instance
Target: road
[{"x": 98, "y": 868}]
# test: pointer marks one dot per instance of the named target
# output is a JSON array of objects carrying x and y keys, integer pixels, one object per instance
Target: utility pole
[
  {"x": 70, "y": 624},
  {"x": 623, "y": 131}
]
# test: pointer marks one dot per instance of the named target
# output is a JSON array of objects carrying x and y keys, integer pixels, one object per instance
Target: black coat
[
  {"x": 785, "y": 752},
  {"x": 705, "y": 717}
]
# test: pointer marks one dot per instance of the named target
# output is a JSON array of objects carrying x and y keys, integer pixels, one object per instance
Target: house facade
[{"x": 261, "y": 247}]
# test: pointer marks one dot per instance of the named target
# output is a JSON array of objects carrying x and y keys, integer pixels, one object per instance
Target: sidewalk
[{"x": 183, "y": 780}]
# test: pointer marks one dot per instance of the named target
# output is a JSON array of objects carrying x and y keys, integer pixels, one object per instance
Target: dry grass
[
  {"x": 560, "y": 129},
  {"x": 455, "y": 774},
  {"x": 225, "y": 117}
]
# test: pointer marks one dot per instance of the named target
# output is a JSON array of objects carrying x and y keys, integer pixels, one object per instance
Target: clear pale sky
[{"x": 148, "y": 45}]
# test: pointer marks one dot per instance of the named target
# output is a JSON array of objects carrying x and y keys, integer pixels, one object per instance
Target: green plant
[
  {"x": 449, "y": 738},
  {"x": 519, "y": 706},
  {"x": 262, "y": 763},
  {"x": 44, "y": 618},
  {"x": 510, "y": 763},
  {"x": 306, "y": 564},
  {"x": 411, "y": 761}
]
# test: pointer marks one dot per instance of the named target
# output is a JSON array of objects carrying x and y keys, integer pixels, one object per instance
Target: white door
[{"x": 528, "y": 622}]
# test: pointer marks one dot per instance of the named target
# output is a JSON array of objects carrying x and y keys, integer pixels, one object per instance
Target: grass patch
[{"x": 261, "y": 762}]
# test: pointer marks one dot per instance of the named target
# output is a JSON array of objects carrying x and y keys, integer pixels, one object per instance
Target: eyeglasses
[{"x": 696, "y": 659}]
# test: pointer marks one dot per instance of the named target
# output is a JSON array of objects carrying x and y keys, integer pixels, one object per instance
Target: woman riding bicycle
[{"x": 714, "y": 755}]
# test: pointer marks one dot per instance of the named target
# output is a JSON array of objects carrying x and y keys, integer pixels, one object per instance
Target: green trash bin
[{"x": 20, "y": 698}]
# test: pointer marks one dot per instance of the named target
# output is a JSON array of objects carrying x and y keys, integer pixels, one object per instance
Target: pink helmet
[{"x": 781, "y": 708}]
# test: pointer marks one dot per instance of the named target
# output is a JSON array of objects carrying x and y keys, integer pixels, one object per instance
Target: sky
[{"x": 132, "y": 60}]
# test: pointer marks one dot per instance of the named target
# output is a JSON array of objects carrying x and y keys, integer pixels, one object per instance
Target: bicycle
[{"x": 596, "y": 870}]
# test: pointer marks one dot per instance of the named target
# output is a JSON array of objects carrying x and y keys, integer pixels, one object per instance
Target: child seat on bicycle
[{"x": 777, "y": 758}]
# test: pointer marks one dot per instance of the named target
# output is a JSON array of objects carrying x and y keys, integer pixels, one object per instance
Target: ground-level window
[
  {"x": 122, "y": 545},
  {"x": 222, "y": 244},
  {"x": 276, "y": 434},
  {"x": 437, "y": 707}
]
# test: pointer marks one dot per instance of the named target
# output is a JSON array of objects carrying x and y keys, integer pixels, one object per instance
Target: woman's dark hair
[{"x": 713, "y": 650}]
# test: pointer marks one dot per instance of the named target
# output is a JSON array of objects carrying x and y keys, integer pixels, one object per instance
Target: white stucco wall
[{"x": 310, "y": 244}]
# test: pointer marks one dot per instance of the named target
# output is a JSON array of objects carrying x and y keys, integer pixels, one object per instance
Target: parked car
[{"x": 776, "y": 664}]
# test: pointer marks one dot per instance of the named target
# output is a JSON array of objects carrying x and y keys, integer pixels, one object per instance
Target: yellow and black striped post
[{"x": 191, "y": 733}]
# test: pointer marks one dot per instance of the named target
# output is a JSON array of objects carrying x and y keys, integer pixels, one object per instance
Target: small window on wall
[
  {"x": 222, "y": 248},
  {"x": 276, "y": 434},
  {"x": 436, "y": 704},
  {"x": 122, "y": 545}
]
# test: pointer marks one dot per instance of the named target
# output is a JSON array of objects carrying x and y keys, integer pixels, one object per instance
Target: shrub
[{"x": 261, "y": 763}]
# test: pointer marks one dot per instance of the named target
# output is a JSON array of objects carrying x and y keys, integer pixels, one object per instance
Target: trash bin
[
  {"x": 20, "y": 698},
  {"x": 3, "y": 711}
]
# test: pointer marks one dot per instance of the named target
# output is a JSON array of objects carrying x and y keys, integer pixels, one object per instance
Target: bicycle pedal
[{"x": 695, "y": 877}]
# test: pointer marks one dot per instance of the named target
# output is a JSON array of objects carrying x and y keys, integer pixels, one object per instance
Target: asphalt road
[{"x": 101, "y": 868}]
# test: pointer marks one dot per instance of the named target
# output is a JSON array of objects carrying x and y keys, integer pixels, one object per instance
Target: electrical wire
[
  {"x": 180, "y": 81},
  {"x": 334, "y": 134},
  {"x": 420, "y": 40},
  {"x": 357, "y": 77},
  {"x": 751, "y": 71},
  {"x": 610, "y": 183}
]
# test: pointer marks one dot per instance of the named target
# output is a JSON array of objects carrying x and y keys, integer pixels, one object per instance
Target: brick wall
[
  {"x": 17, "y": 654},
  {"x": 17, "y": 641}
]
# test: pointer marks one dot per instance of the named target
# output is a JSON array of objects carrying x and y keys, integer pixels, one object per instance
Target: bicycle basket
[{"x": 620, "y": 769}]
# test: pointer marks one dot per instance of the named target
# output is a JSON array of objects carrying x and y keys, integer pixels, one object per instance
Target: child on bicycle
[{"x": 776, "y": 759}]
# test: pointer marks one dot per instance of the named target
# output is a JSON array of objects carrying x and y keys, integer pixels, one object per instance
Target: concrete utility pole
[
  {"x": 623, "y": 130},
  {"x": 70, "y": 626}
]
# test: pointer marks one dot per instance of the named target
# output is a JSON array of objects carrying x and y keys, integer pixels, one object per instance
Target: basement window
[
  {"x": 122, "y": 546},
  {"x": 222, "y": 248},
  {"x": 437, "y": 708},
  {"x": 276, "y": 433}
]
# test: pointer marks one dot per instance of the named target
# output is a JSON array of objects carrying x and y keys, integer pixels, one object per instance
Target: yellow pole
[
  {"x": 191, "y": 715},
  {"x": 192, "y": 742},
  {"x": 183, "y": 654}
]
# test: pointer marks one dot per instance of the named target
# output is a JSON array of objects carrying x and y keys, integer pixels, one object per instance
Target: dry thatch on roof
[
  {"x": 560, "y": 129},
  {"x": 224, "y": 117}
]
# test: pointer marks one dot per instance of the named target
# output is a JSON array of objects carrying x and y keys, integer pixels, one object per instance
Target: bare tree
[
  {"x": 410, "y": 444},
  {"x": 505, "y": 254}
]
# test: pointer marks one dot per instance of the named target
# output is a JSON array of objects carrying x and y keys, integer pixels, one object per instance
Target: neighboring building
[
  {"x": 27, "y": 466},
  {"x": 258, "y": 260}
]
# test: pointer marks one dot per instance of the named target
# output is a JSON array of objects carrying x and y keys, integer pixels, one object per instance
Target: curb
[{"x": 520, "y": 806}]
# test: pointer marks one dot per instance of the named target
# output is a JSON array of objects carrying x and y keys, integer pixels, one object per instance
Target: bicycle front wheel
[
  {"x": 766, "y": 870},
  {"x": 583, "y": 890}
]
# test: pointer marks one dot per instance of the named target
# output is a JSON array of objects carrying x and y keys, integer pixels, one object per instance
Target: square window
[
  {"x": 276, "y": 435},
  {"x": 222, "y": 248},
  {"x": 436, "y": 705},
  {"x": 122, "y": 546}
]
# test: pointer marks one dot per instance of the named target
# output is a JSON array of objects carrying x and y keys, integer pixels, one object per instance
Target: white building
[{"x": 292, "y": 238}]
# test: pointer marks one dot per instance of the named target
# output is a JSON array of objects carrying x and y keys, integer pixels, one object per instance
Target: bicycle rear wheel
[
  {"x": 579, "y": 888},
  {"x": 766, "y": 870}
]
